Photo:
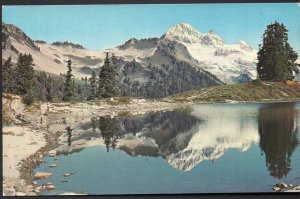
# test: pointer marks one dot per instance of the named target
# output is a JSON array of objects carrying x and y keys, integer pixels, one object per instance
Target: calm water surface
[{"x": 199, "y": 149}]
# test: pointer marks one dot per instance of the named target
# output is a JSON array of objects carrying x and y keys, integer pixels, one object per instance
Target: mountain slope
[
  {"x": 50, "y": 58},
  {"x": 182, "y": 59},
  {"x": 227, "y": 62}
]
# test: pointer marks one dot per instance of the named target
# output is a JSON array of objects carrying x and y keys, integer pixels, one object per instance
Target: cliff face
[{"x": 12, "y": 106}]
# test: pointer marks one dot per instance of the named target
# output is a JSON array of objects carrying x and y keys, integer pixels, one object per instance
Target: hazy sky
[{"x": 103, "y": 26}]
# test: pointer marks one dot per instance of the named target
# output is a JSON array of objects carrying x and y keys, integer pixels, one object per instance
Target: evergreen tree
[
  {"x": 114, "y": 75},
  {"x": 25, "y": 84},
  {"x": 276, "y": 58},
  {"x": 24, "y": 74},
  {"x": 6, "y": 76},
  {"x": 107, "y": 79},
  {"x": 31, "y": 95},
  {"x": 93, "y": 86},
  {"x": 68, "y": 91}
]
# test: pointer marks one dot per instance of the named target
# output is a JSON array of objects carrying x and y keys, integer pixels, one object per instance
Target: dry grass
[
  {"x": 32, "y": 108},
  {"x": 246, "y": 92}
]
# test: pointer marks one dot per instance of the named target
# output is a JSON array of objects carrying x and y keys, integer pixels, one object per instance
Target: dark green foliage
[
  {"x": 50, "y": 87},
  {"x": 7, "y": 76},
  {"x": 164, "y": 80},
  {"x": 93, "y": 86},
  {"x": 107, "y": 79},
  {"x": 276, "y": 58},
  {"x": 24, "y": 74},
  {"x": 31, "y": 95},
  {"x": 25, "y": 84},
  {"x": 257, "y": 81},
  {"x": 69, "y": 87}
]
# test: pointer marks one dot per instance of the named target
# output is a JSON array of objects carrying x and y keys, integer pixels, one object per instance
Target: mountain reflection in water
[{"x": 187, "y": 136}]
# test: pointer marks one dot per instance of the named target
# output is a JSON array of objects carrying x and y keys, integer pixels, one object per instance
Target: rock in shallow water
[
  {"x": 282, "y": 185},
  {"x": 68, "y": 174},
  {"x": 48, "y": 187},
  {"x": 42, "y": 175},
  {"x": 52, "y": 153},
  {"x": 52, "y": 165},
  {"x": 277, "y": 189}
]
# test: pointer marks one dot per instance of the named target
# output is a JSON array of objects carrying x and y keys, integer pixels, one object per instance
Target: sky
[{"x": 99, "y": 27}]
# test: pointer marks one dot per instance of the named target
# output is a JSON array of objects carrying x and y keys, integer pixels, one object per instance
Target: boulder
[
  {"x": 42, "y": 175},
  {"x": 282, "y": 185},
  {"x": 48, "y": 187},
  {"x": 12, "y": 106},
  {"x": 20, "y": 194},
  {"x": 52, "y": 153},
  {"x": 68, "y": 174},
  {"x": 31, "y": 194},
  {"x": 9, "y": 192},
  {"x": 44, "y": 108},
  {"x": 52, "y": 165},
  {"x": 277, "y": 189}
]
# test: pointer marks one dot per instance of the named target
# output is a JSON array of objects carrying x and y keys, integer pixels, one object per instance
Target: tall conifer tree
[
  {"x": 276, "y": 58},
  {"x": 107, "y": 79},
  {"x": 68, "y": 91},
  {"x": 24, "y": 74}
]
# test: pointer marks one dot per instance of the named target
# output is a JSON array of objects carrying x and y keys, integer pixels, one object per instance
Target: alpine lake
[{"x": 207, "y": 148}]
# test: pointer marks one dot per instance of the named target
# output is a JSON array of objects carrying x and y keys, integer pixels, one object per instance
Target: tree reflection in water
[
  {"x": 69, "y": 132},
  {"x": 94, "y": 124},
  {"x": 108, "y": 129},
  {"x": 278, "y": 129}
]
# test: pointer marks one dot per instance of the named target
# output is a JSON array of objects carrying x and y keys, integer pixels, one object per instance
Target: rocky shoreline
[{"x": 50, "y": 121}]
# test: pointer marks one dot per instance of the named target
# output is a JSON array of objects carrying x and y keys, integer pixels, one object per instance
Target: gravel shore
[{"x": 32, "y": 134}]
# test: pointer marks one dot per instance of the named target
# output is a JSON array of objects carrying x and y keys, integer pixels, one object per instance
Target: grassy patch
[
  {"x": 246, "y": 92},
  {"x": 124, "y": 113}
]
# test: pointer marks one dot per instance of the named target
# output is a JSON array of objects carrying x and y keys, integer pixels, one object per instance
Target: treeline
[
  {"x": 164, "y": 80},
  {"x": 32, "y": 86},
  {"x": 21, "y": 80}
]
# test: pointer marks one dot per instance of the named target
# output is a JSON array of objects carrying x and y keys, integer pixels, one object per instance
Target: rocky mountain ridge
[{"x": 182, "y": 56}]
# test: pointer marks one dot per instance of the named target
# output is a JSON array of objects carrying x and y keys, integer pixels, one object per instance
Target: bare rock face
[{"x": 12, "y": 106}]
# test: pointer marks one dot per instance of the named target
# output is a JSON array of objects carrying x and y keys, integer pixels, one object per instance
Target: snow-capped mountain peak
[
  {"x": 244, "y": 45},
  {"x": 183, "y": 32},
  {"x": 212, "y": 38}
]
